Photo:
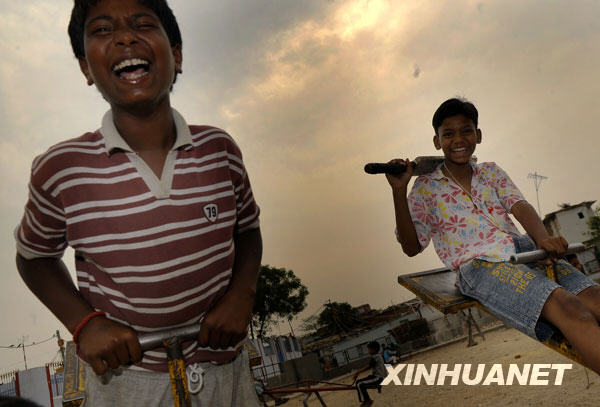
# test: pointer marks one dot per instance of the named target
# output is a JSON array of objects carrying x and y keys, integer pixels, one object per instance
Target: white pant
[{"x": 227, "y": 385}]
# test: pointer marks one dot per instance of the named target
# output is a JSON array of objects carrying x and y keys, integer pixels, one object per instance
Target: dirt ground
[{"x": 503, "y": 346}]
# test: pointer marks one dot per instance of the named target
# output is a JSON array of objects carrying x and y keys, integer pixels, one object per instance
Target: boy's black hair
[
  {"x": 160, "y": 7},
  {"x": 373, "y": 345},
  {"x": 454, "y": 107}
]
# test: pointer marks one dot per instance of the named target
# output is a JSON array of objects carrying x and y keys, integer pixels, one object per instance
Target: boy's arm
[
  {"x": 226, "y": 323},
  {"x": 533, "y": 225},
  {"x": 407, "y": 234},
  {"x": 102, "y": 343}
]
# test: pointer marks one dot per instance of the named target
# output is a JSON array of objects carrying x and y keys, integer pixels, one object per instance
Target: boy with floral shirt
[{"x": 463, "y": 207}]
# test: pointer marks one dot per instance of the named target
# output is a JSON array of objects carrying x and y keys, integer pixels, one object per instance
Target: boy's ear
[
  {"x": 83, "y": 65},
  {"x": 436, "y": 142},
  {"x": 178, "y": 56},
  {"x": 478, "y": 136}
]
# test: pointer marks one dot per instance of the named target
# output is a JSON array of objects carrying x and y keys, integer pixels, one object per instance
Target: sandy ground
[{"x": 505, "y": 346}]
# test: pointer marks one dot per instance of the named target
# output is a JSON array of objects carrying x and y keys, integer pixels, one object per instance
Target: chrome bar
[
  {"x": 152, "y": 340},
  {"x": 536, "y": 255}
]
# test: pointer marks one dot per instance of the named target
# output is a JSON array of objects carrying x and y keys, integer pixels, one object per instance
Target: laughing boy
[{"x": 160, "y": 214}]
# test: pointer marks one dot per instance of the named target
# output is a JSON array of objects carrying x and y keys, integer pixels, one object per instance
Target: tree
[
  {"x": 279, "y": 294},
  {"x": 594, "y": 224},
  {"x": 339, "y": 317}
]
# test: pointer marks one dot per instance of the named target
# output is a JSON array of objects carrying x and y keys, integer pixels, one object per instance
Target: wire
[
  {"x": 56, "y": 355},
  {"x": 23, "y": 345}
]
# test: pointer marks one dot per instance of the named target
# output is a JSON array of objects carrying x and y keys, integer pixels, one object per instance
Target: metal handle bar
[
  {"x": 536, "y": 255},
  {"x": 153, "y": 340}
]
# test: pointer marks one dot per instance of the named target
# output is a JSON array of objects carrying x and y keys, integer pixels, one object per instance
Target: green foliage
[
  {"x": 310, "y": 324},
  {"x": 338, "y": 317},
  {"x": 279, "y": 294},
  {"x": 594, "y": 224}
]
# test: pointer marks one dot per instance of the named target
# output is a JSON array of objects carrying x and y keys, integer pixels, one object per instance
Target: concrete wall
[
  {"x": 573, "y": 228},
  {"x": 588, "y": 260},
  {"x": 444, "y": 328},
  {"x": 33, "y": 385},
  {"x": 355, "y": 347},
  {"x": 347, "y": 368},
  {"x": 304, "y": 368},
  {"x": 273, "y": 351}
]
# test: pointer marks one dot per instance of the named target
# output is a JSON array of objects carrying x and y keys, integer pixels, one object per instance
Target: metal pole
[
  {"x": 537, "y": 179},
  {"x": 61, "y": 346},
  {"x": 23, "y": 346}
]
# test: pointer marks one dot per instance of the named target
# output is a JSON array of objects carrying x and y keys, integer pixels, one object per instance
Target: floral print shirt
[{"x": 461, "y": 229}]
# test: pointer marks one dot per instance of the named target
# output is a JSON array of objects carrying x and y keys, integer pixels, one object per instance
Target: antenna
[{"x": 537, "y": 180}]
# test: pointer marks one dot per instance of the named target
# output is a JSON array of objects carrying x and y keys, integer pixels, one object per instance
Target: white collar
[{"x": 113, "y": 140}]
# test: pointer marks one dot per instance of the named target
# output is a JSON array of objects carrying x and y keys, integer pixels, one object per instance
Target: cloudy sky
[{"x": 312, "y": 90}]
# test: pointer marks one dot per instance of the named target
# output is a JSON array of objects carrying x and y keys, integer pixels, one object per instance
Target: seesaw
[
  {"x": 308, "y": 387},
  {"x": 437, "y": 288}
]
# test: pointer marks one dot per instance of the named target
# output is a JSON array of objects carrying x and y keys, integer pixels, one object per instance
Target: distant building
[
  {"x": 571, "y": 222},
  {"x": 42, "y": 385},
  {"x": 266, "y": 354},
  {"x": 341, "y": 350},
  {"x": 363, "y": 309}
]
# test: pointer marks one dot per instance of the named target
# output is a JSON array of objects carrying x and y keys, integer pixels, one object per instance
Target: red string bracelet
[{"x": 83, "y": 323}]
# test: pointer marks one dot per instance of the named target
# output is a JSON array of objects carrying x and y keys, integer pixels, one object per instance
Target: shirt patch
[{"x": 211, "y": 211}]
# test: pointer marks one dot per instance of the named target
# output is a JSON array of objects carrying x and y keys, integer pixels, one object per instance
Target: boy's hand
[
  {"x": 556, "y": 247},
  {"x": 226, "y": 324},
  {"x": 400, "y": 181},
  {"x": 108, "y": 344}
]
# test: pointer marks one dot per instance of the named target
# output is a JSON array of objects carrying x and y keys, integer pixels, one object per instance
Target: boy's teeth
[
  {"x": 131, "y": 76},
  {"x": 129, "y": 62}
]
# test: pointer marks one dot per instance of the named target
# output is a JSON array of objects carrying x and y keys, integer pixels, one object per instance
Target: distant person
[
  {"x": 385, "y": 352},
  {"x": 464, "y": 208},
  {"x": 574, "y": 261},
  {"x": 378, "y": 373},
  {"x": 389, "y": 355}
]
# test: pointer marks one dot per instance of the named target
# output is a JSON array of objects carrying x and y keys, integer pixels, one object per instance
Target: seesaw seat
[{"x": 437, "y": 288}]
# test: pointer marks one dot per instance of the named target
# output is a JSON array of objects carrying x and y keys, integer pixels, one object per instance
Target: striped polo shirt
[{"x": 152, "y": 253}]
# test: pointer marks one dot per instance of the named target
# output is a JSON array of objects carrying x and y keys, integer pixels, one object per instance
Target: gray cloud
[{"x": 312, "y": 90}]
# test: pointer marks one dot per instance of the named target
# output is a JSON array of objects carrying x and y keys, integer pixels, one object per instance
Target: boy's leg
[
  {"x": 527, "y": 300},
  {"x": 577, "y": 323},
  {"x": 577, "y": 283},
  {"x": 591, "y": 298},
  {"x": 228, "y": 384},
  {"x": 369, "y": 382},
  {"x": 128, "y": 388},
  {"x": 362, "y": 392},
  {"x": 575, "y": 310},
  {"x": 519, "y": 295}
]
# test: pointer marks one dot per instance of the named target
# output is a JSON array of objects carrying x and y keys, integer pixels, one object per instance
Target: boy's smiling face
[
  {"x": 128, "y": 55},
  {"x": 457, "y": 138}
]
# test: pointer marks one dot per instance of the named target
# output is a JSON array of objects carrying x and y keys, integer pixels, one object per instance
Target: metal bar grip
[
  {"x": 153, "y": 340},
  {"x": 536, "y": 255}
]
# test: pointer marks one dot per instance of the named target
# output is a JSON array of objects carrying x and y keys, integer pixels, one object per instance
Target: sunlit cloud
[{"x": 311, "y": 91}]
